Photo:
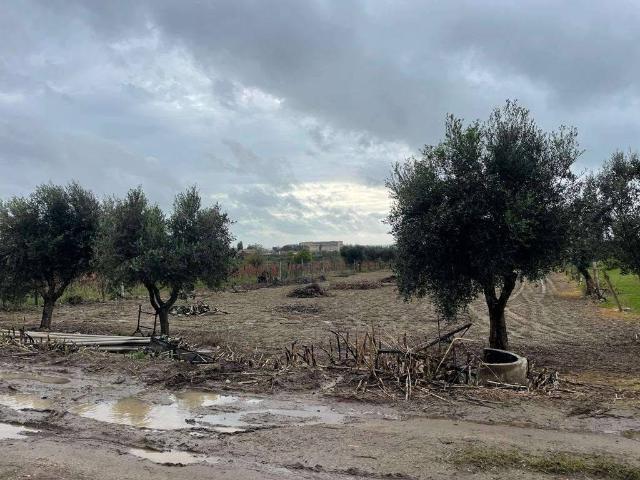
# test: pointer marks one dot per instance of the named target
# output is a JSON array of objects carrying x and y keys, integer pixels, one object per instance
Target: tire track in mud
[
  {"x": 535, "y": 313},
  {"x": 531, "y": 316}
]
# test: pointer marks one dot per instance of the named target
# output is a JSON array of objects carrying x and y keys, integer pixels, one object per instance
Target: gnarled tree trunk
[
  {"x": 47, "y": 312},
  {"x": 498, "y": 337},
  {"x": 163, "y": 315},
  {"x": 50, "y": 296},
  {"x": 162, "y": 307},
  {"x": 590, "y": 285}
]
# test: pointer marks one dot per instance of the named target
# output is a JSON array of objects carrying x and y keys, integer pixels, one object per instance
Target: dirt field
[{"x": 92, "y": 415}]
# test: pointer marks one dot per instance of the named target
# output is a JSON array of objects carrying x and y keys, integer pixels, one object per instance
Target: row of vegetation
[
  {"x": 493, "y": 203},
  {"x": 59, "y": 234},
  {"x": 498, "y": 201}
]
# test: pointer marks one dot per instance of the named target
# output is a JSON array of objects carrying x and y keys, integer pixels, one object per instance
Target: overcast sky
[{"x": 291, "y": 113}]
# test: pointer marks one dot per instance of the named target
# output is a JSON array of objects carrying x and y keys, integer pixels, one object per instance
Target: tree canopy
[
  {"x": 139, "y": 244},
  {"x": 47, "y": 241},
  {"x": 482, "y": 208},
  {"x": 619, "y": 184},
  {"x": 589, "y": 222}
]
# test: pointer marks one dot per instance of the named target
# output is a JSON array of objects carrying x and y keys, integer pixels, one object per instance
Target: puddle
[
  {"x": 188, "y": 409},
  {"x": 194, "y": 399},
  {"x": 137, "y": 413},
  {"x": 8, "y": 431},
  {"x": 172, "y": 457},
  {"x": 33, "y": 377},
  {"x": 21, "y": 401}
]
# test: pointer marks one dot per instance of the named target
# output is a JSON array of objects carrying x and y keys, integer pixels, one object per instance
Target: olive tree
[
  {"x": 589, "y": 221},
  {"x": 484, "y": 207},
  {"x": 47, "y": 241},
  {"x": 619, "y": 184},
  {"x": 139, "y": 244}
]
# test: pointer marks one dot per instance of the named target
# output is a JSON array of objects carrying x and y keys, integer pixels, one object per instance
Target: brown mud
[{"x": 89, "y": 415}]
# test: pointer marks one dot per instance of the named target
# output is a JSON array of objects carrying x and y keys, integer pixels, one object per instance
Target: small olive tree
[
  {"x": 484, "y": 207},
  {"x": 47, "y": 241},
  {"x": 138, "y": 244},
  {"x": 619, "y": 184},
  {"x": 589, "y": 222}
]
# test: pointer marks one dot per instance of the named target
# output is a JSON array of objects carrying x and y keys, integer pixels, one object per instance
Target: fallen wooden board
[{"x": 81, "y": 339}]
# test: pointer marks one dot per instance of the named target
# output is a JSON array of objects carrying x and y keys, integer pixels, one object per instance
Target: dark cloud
[{"x": 252, "y": 99}]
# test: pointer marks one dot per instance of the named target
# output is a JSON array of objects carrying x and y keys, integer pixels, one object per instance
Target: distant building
[{"x": 322, "y": 247}]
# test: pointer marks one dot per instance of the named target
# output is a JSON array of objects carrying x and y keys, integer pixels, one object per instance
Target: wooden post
[{"x": 613, "y": 290}]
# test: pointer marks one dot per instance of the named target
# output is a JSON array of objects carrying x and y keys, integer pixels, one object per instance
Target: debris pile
[
  {"x": 195, "y": 310},
  {"x": 374, "y": 362},
  {"x": 308, "y": 291}
]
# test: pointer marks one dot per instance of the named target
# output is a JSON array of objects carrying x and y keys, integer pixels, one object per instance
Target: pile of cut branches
[{"x": 308, "y": 291}]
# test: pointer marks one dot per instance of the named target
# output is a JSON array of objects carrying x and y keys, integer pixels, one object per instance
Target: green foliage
[
  {"x": 239, "y": 246},
  {"x": 301, "y": 256},
  {"x": 627, "y": 286},
  {"x": 619, "y": 183},
  {"x": 486, "y": 205},
  {"x": 588, "y": 221},
  {"x": 138, "y": 244},
  {"x": 255, "y": 259},
  {"x": 361, "y": 253},
  {"x": 47, "y": 241},
  {"x": 552, "y": 463}
]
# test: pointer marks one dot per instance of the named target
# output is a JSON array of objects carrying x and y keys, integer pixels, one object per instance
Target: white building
[{"x": 322, "y": 247}]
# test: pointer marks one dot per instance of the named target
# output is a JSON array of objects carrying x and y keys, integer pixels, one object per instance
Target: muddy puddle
[
  {"x": 34, "y": 377},
  {"x": 23, "y": 401},
  {"x": 221, "y": 413},
  {"x": 172, "y": 457},
  {"x": 14, "y": 432}
]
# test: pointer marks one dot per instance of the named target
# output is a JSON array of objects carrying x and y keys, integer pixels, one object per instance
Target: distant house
[{"x": 322, "y": 247}]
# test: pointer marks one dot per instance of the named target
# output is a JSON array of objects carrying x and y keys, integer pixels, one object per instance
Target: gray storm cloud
[{"x": 255, "y": 101}]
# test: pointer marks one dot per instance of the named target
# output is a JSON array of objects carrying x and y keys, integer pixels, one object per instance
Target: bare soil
[{"x": 306, "y": 423}]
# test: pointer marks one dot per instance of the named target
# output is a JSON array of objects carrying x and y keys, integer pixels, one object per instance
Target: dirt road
[
  {"x": 85, "y": 426},
  {"x": 86, "y": 415}
]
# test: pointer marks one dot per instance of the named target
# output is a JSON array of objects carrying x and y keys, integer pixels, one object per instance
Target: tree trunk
[
  {"x": 163, "y": 315},
  {"x": 498, "y": 337},
  {"x": 47, "y": 313},
  {"x": 588, "y": 281},
  {"x": 162, "y": 308}
]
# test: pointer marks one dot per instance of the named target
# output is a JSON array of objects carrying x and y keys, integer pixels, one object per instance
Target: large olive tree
[
  {"x": 138, "y": 244},
  {"x": 47, "y": 241},
  {"x": 484, "y": 207}
]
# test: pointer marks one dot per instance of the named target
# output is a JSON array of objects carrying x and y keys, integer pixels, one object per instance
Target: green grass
[
  {"x": 557, "y": 463},
  {"x": 628, "y": 288}
]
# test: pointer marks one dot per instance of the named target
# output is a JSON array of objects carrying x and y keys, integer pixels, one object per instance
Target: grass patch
[
  {"x": 560, "y": 463},
  {"x": 628, "y": 288}
]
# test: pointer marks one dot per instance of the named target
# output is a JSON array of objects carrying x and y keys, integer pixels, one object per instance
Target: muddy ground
[{"x": 96, "y": 415}]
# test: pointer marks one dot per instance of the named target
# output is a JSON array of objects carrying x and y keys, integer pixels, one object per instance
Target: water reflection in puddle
[
  {"x": 194, "y": 399},
  {"x": 20, "y": 401},
  {"x": 185, "y": 411},
  {"x": 172, "y": 457},
  {"x": 33, "y": 377},
  {"x": 137, "y": 413},
  {"x": 8, "y": 431}
]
